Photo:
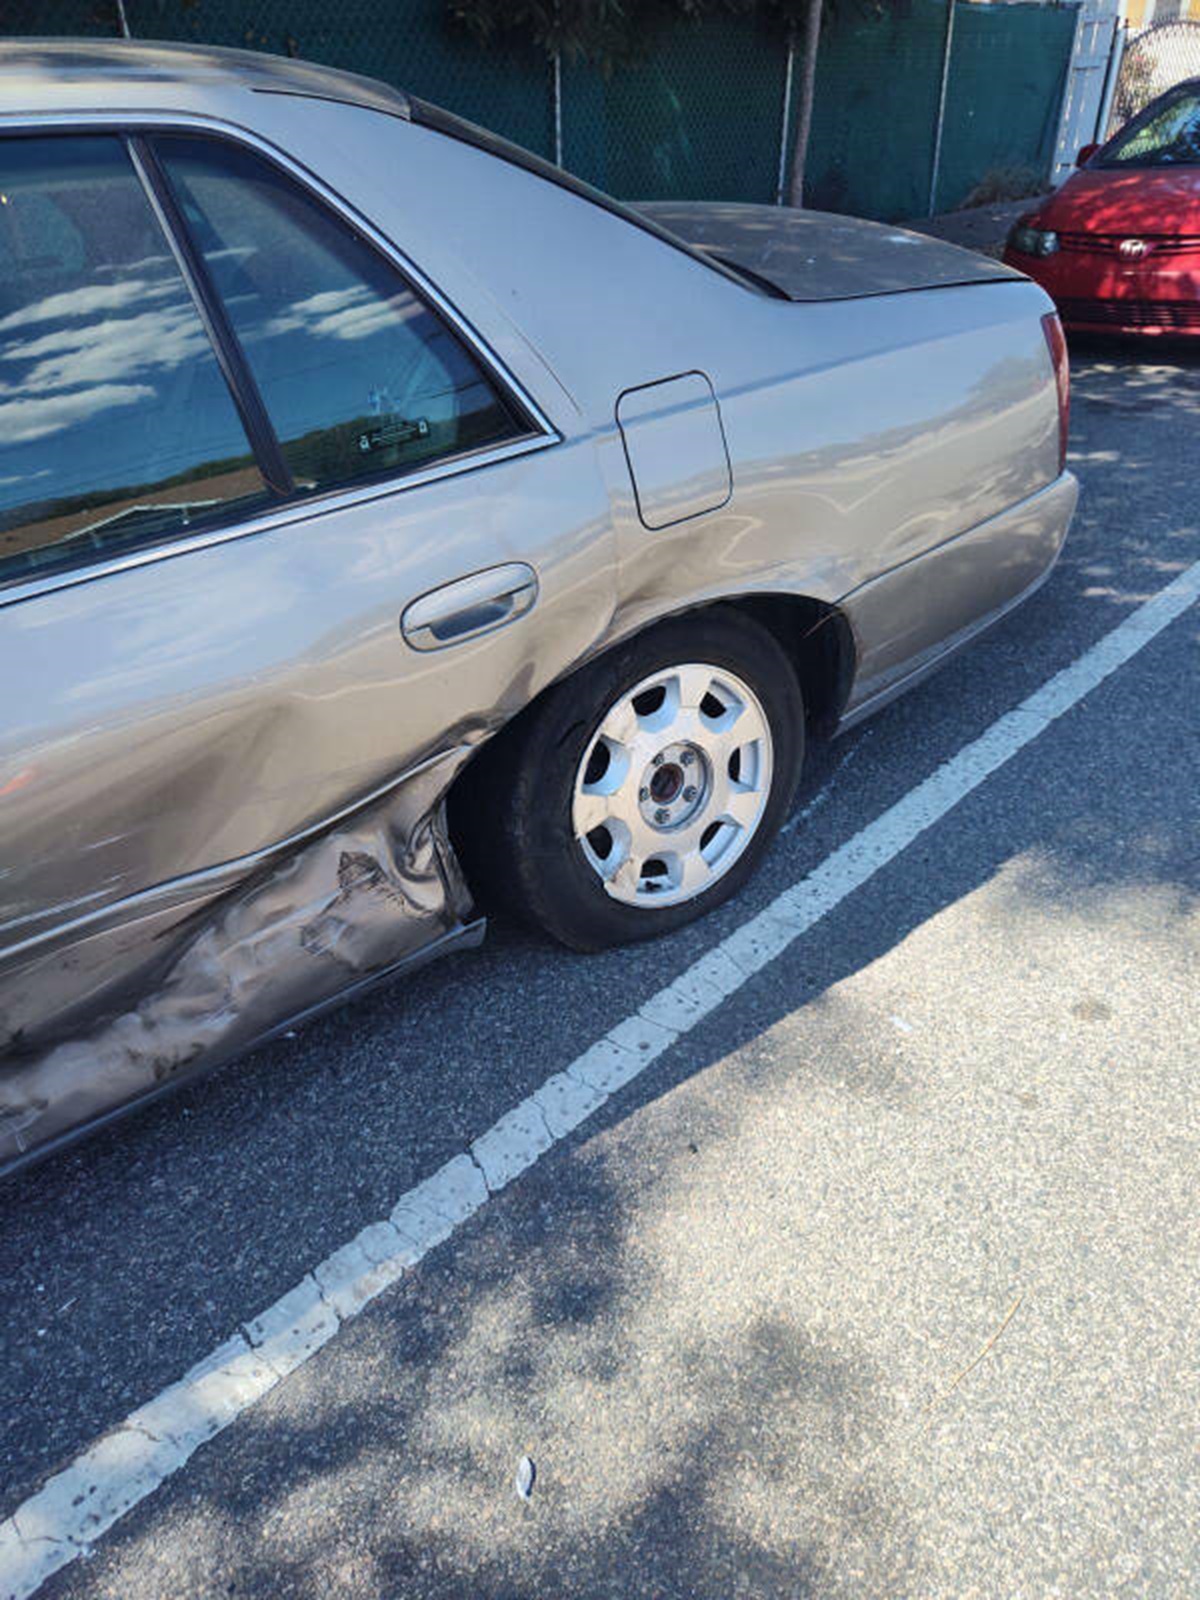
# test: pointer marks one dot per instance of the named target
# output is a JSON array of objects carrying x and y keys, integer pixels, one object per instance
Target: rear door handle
[{"x": 467, "y": 607}]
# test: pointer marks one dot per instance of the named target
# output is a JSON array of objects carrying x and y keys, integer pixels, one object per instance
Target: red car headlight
[{"x": 1032, "y": 241}]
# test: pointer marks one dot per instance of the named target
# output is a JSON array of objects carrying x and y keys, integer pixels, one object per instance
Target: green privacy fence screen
[
  {"x": 702, "y": 116},
  {"x": 700, "y": 119},
  {"x": 1004, "y": 80},
  {"x": 878, "y": 87}
]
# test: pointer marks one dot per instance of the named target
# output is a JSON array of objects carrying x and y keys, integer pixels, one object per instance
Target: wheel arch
[
  {"x": 814, "y": 635},
  {"x": 818, "y": 640}
]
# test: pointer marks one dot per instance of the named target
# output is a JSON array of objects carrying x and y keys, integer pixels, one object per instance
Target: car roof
[{"x": 96, "y": 69}]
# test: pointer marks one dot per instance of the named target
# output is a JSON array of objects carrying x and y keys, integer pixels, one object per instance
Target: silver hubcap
[{"x": 673, "y": 785}]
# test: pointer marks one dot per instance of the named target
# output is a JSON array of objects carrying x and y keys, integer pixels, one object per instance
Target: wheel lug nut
[
  {"x": 689, "y": 793},
  {"x": 643, "y": 794},
  {"x": 658, "y": 759},
  {"x": 662, "y": 816},
  {"x": 686, "y": 758}
]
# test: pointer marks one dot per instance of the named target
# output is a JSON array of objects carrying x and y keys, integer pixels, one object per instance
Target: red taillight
[{"x": 1057, "y": 343}]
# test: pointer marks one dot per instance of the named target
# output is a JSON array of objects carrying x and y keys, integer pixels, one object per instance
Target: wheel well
[
  {"x": 817, "y": 640},
  {"x": 815, "y": 637}
]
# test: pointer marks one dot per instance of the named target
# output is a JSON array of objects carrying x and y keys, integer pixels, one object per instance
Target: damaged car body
[{"x": 388, "y": 523}]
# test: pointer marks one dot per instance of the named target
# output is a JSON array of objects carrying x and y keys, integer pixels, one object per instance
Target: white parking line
[{"x": 76, "y": 1507}]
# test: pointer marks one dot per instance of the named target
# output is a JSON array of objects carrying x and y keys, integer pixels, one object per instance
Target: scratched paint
[{"x": 351, "y": 903}]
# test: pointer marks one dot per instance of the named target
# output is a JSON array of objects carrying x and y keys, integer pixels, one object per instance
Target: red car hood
[{"x": 1132, "y": 200}]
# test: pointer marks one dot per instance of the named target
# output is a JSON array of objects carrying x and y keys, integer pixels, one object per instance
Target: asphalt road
[{"x": 882, "y": 1281}]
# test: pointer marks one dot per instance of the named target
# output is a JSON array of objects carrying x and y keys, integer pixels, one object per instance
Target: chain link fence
[
  {"x": 1154, "y": 61},
  {"x": 703, "y": 116},
  {"x": 700, "y": 119},
  {"x": 87, "y": 19}
]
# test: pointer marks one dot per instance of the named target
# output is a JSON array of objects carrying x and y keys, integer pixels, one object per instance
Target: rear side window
[
  {"x": 116, "y": 425},
  {"x": 359, "y": 376}
]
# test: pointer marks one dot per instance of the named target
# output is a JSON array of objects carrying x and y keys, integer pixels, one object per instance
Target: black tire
[{"x": 510, "y": 814}]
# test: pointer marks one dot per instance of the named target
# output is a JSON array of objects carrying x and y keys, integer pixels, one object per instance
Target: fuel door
[{"x": 675, "y": 447}]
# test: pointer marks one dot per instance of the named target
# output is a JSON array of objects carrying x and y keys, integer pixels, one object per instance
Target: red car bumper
[{"x": 1096, "y": 290}]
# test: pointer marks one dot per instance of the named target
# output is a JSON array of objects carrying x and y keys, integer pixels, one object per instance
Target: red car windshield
[{"x": 1166, "y": 134}]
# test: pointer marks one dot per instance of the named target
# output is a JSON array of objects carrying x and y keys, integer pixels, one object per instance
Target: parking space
[{"x": 881, "y": 1280}]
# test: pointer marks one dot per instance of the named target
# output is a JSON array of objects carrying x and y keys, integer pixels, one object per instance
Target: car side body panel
[
  {"x": 258, "y": 724},
  {"x": 360, "y": 901},
  {"x": 203, "y": 709},
  {"x": 978, "y": 577},
  {"x": 232, "y": 765}
]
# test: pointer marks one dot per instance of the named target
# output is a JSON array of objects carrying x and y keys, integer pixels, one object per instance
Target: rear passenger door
[{"x": 236, "y": 444}]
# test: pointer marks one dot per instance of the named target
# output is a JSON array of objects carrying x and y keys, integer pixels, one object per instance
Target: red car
[{"x": 1118, "y": 246}]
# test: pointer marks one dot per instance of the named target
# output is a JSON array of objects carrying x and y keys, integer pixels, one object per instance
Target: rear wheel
[{"x": 643, "y": 791}]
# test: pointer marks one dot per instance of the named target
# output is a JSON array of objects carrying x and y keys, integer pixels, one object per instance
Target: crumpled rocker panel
[{"x": 348, "y": 905}]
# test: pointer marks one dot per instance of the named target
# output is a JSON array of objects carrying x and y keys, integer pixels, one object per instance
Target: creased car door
[
  {"x": 195, "y": 711},
  {"x": 202, "y": 672}
]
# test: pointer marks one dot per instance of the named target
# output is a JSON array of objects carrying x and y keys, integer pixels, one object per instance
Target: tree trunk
[{"x": 808, "y": 87}]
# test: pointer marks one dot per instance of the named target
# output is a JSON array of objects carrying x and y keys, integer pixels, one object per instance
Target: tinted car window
[
  {"x": 1164, "y": 137},
  {"x": 116, "y": 427},
  {"x": 359, "y": 376}
]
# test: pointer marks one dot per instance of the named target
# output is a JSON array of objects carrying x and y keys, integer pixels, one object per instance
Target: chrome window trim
[
  {"x": 265, "y": 449},
  {"x": 298, "y": 508}
]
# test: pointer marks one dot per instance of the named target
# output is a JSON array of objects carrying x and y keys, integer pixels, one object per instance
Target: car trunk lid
[{"x": 816, "y": 255}]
